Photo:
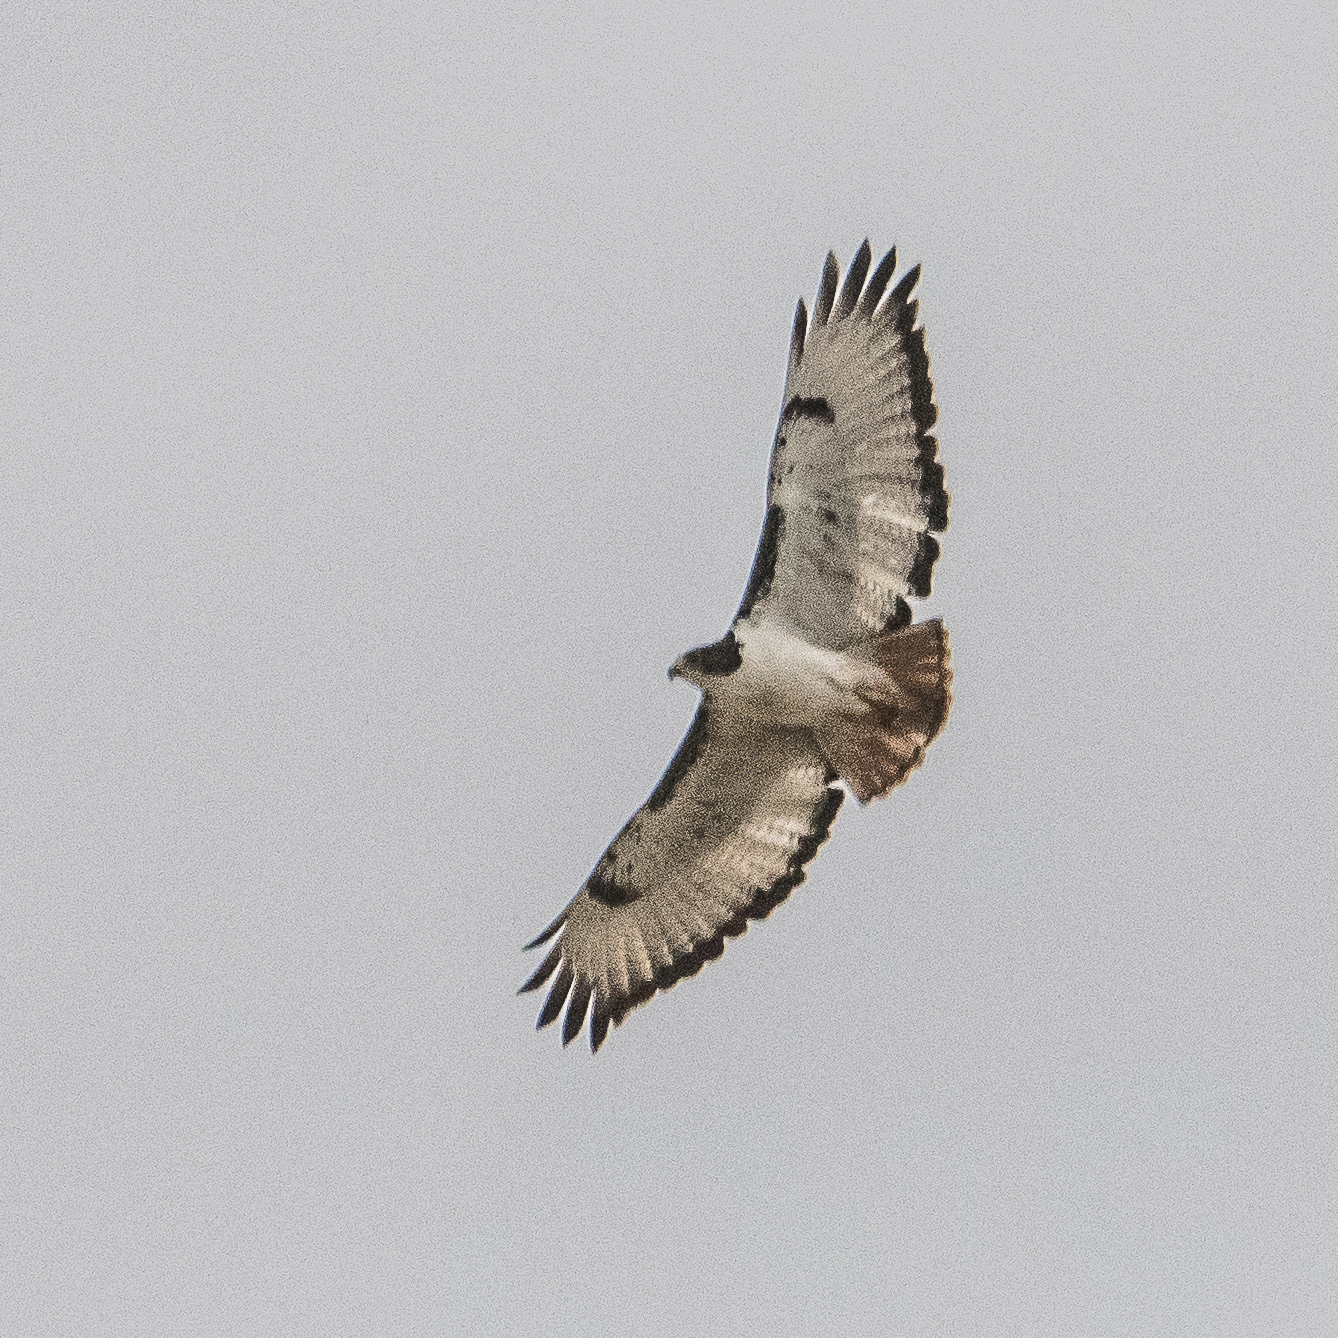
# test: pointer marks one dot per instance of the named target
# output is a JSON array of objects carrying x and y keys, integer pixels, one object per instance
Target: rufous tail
[{"x": 877, "y": 749}]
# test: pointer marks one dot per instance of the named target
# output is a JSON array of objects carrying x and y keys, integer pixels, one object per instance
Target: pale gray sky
[{"x": 386, "y": 398}]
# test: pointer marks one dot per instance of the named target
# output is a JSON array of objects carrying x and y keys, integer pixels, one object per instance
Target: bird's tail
[{"x": 906, "y": 707}]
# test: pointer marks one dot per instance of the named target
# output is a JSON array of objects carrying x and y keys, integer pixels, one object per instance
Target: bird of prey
[{"x": 822, "y": 680}]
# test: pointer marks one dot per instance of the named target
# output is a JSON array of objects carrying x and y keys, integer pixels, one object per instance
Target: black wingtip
[
  {"x": 877, "y": 285},
  {"x": 797, "y": 335},
  {"x": 826, "y": 815},
  {"x": 822, "y": 304},
  {"x": 854, "y": 284},
  {"x": 904, "y": 289},
  {"x": 547, "y": 934},
  {"x": 576, "y": 1010},
  {"x": 557, "y": 996},
  {"x": 546, "y": 969},
  {"x": 599, "y": 1025}
]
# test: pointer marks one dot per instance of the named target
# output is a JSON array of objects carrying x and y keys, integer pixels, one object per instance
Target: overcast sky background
[{"x": 386, "y": 399}]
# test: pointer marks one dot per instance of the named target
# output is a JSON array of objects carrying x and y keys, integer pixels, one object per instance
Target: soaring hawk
[{"x": 823, "y": 678}]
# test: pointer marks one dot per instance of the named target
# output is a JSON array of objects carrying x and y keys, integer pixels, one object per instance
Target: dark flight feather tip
[
  {"x": 576, "y": 1010},
  {"x": 922, "y": 386},
  {"x": 599, "y": 1025},
  {"x": 822, "y": 304},
  {"x": 557, "y": 996},
  {"x": 547, "y": 934},
  {"x": 903, "y": 290},
  {"x": 850, "y": 290},
  {"x": 546, "y": 969},
  {"x": 797, "y": 334},
  {"x": 922, "y": 570},
  {"x": 877, "y": 285}
]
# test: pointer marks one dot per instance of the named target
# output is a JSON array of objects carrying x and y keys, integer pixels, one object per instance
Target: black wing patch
[
  {"x": 813, "y": 407},
  {"x": 603, "y": 884}
]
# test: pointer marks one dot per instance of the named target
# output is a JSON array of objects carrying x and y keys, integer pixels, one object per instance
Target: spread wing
[
  {"x": 854, "y": 493},
  {"x": 722, "y": 840}
]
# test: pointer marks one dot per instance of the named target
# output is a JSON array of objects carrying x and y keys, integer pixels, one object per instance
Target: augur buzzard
[{"x": 823, "y": 678}]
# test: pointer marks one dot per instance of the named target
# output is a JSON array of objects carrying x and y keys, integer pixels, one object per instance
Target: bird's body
[
  {"x": 782, "y": 679},
  {"x": 822, "y": 678}
]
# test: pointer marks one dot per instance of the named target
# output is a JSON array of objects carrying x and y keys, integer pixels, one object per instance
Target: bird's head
[{"x": 704, "y": 663}]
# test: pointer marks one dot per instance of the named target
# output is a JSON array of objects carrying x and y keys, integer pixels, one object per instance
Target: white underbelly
[{"x": 789, "y": 681}]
